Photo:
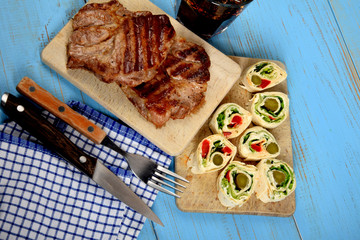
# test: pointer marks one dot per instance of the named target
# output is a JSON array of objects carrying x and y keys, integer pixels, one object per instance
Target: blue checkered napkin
[{"x": 43, "y": 197}]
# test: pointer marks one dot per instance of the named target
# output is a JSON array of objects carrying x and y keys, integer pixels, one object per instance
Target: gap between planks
[
  {"x": 352, "y": 62},
  {"x": 297, "y": 227}
]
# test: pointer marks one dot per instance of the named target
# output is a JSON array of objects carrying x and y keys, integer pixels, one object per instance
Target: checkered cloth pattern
[{"x": 44, "y": 197}]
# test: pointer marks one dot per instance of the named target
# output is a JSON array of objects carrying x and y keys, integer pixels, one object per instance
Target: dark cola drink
[{"x": 208, "y": 17}]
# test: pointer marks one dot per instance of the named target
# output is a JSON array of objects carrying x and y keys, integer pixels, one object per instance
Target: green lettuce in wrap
[
  {"x": 269, "y": 109},
  {"x": 276, "y": 180},
  {"x": 236, "y": 184}
]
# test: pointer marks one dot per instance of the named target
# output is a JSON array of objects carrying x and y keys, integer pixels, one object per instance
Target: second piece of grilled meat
[{"x": 178, "y": 88}]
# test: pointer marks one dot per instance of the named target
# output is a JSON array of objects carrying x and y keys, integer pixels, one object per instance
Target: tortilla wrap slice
[
  {"x": 236, "y": 183},
  {"x": 230, "y": 120},
  {"x": 269, "y": 109},
  {"x": 263, "y": 75},
  {"x": 276, "y": 180},
  {"x": 212, "y": 154},
  {"x": 257, "y": 143}
]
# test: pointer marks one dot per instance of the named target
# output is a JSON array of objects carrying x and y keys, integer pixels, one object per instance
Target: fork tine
[
  {"x": 166, "y": 184},
  {"x": 154, "y": 185},
  {"x": 168, "y": 179},
  {"x": 162, "y": 169}
]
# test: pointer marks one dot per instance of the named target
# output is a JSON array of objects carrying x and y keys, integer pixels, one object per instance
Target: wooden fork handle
[{"x": 43, "y": 98}]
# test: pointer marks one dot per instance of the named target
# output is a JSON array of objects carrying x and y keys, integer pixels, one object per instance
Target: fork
[
  {"x": 148, "y": 170},
  {"x": 144, "y": 168}
]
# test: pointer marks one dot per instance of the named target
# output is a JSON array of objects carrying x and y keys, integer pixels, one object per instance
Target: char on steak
[
  {"x": 178, "y": 88},
  {"x": 118, "y": 45},
  {"x": 162, "y": 75}
]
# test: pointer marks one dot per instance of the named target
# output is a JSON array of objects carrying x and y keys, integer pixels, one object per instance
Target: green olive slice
[
  {"x": 241, "y": 181},
  {"x": 256, "y": 80},
  {"x": 271, "y": 104},
  {"x": 279, "y": 177},
  {"x": 272, "y": 148},
  {"x": 218, "y": 160}
]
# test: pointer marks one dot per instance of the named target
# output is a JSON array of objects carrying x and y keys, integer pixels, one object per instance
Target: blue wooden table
[{"x": 318, "y": 40}]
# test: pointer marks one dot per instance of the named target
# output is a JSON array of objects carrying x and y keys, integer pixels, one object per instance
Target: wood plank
[
  {"x": 346, "y": 14},
  {"x": 201, "y": 195},
  {"x": 185, "y": 225},
  {"x": 27, "y": 26},
  {"x": 147, "y": 231}
]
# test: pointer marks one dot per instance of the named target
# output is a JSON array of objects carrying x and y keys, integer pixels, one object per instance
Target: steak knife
[
  {"x": 30, "y": 119},
  {"x": 46, "y": 100}
]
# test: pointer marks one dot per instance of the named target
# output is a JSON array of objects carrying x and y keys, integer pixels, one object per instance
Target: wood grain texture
[
  {"x": 344, "y": 12},
  {"x": 43, "y": 98},
  {"x": 317, "y": 40},
  {"x": 176, "y": 134},
  {"x": 147, "y": 232},
  {"x": 186, "y": 225},
  {"x": 306, "y": 37},
  {"x": 26, "y": 27},
  {"x": 201, "y": 194}
]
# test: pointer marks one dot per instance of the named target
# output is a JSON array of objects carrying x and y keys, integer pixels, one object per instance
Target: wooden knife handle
[
  {"x": 30, "y": 119},
  {"x": 43, "y": 98}
]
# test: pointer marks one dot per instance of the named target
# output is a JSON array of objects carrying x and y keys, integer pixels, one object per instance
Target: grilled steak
[
  {"x": 119, "y": 45},
  {"x": 178, "y": 88}
]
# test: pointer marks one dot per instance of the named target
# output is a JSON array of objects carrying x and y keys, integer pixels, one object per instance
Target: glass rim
[{"x": 233, "y": 5}]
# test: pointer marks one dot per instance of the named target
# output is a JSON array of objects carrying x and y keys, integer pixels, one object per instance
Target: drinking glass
[{"x": 208, "y": 18}]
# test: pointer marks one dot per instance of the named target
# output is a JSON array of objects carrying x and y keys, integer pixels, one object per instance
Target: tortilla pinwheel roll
[
  {"x": 236, "y": 183},
  {"x": 230, "y": 120},
  {"x": 263, "y": 75},
  {"x": 212, "y": 154},
  {"x": 269, "y": 109},
  {"x": 276, "y": 180},
  {"x": 257, "y": 143}
]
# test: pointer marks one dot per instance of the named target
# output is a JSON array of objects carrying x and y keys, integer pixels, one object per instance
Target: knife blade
[{"x": 30, "y": 119}]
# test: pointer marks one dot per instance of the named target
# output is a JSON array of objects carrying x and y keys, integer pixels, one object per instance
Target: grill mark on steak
[
  {"x": 155, "y": 39},
  {"x": 187, "y": 52},
  {"x": 134, "y": 51},
  {"x": 128, "y": 52},
  {"x": 138, "y": 52},
  {"x": 180, "y": 68},
  {"x": 144, "y": 90},
  {"x": 170, "y": 94},
  {"x": 145, "y": 46}
]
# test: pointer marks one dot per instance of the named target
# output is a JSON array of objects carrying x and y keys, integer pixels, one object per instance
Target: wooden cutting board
[
  {"x": 201, "y": 194},
  {"x": 176, "y": 134}
]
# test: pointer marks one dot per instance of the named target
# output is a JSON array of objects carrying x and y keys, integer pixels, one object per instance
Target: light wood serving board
[
  {"x": 201, "y": 194},
  {"x": 176, "y": 134}
]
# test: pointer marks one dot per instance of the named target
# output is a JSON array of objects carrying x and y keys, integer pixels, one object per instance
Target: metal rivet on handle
[
  {"x": 32, "y": 89},
  {"x": 83, "y": 159},
  {"x": 90, "y": 129},
  {"x": 20, "y": 108},
  {"x": 61, "y": 109}
]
